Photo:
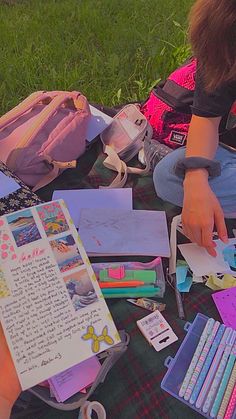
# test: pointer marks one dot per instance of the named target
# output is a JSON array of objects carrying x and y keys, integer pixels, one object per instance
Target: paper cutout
[
  {"x": 8, "y": 185},
  {"x": 184, "y": 280},
  {"x": 201, "y": 263},
  {"x": 97, "y": 123},
  {"x": 226, "y": 304},
  {"x": 94, "y": 198},
  {"x": 223, "y": 282}
]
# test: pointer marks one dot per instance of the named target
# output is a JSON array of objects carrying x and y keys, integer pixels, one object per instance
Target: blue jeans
[{"x": 169, "y": 187}]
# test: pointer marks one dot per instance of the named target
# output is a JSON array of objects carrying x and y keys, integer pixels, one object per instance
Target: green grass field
[{"x": 111, "y": 50}]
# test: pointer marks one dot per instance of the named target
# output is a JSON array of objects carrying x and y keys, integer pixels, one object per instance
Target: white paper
[
  {"x": 98, "y": 122},
  {"x": 201, "y": 263},
  {"x": 55, "y": 312},
  {"x": 122, "y": 232},
  {"x": 7, "y": 185},
  {"x": 94, "y": 198}
]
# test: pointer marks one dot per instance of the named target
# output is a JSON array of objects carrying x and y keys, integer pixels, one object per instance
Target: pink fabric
[
  {"x": 54, "y": 126},
  {"x": 170, "y": 126}
]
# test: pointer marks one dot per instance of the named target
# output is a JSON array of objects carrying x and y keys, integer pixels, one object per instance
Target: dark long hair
[{"x": 212, "y": 33}]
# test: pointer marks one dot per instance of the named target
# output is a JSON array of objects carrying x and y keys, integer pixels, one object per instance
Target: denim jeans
[{"x": 169, "y": 187}]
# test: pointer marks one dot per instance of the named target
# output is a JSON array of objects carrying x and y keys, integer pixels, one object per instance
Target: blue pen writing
[
  {"x": 219, "y": 373},
  {"x": 207, "y": 364},
  {"x": 212, "y": 369},
  {"x": 206, "y": 332},
  {"x": 195, "y": 380},
  {"x": 224, "y": 382}
]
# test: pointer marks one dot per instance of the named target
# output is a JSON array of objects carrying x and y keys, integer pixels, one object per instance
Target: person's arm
[
  {"x": 5, "y": 408},
  {"x": 201, "y": 209},
  {"x": 9, "y": 384}
]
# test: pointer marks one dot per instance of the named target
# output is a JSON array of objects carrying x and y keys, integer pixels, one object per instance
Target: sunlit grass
[{"x": 111, "y": 50}]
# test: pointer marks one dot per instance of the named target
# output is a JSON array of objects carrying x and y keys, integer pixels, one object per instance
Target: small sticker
[
  {"x": 178, "y": 137},
  {"x": 97, "y": 339},
  {"x": 4, "y": 290}
]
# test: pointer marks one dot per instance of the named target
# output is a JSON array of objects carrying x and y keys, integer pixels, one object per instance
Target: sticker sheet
[{"x": 51, "y": 307}]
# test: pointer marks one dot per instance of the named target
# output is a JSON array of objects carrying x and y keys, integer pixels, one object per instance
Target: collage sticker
[
  {"x": 23, "y": 227},
  {"x": 80, "y": 289},
  {"x": 52, "y": 218},
  {"x": 66, "y": 253},
  {"x": 4, "y": 290},
  {"x": 7, "y": 249}
]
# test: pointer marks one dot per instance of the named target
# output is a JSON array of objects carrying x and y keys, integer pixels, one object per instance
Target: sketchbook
[
  {"x": 51, "y": 306},
  {"x": 124, "y": 232}
]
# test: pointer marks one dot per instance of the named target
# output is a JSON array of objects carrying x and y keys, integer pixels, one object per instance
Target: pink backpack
[
  {"x": 168, "y": 108},
  {"x": 44, "y": 135}
]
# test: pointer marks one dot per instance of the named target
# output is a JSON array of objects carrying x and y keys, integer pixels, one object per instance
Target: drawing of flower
[{"x": 97, "y": 339}]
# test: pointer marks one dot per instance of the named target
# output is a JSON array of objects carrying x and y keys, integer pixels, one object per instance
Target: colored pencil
[
  {"x": 229, "y": 414},
  {"x": 227, "y": 395},
  {"x": 224, "y": 382},
  {"x": 212, "y": 369},
  {"x": 195, "y": 384},
  {"x": 219, "y": 373},
  {"x": 206, "y": 331}
]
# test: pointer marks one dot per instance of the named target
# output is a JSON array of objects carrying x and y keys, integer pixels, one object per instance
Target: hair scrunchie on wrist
[{"x": 212, "y": 166}]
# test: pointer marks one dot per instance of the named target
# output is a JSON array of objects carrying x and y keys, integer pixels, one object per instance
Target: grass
[{"x": 111, "y": 50}]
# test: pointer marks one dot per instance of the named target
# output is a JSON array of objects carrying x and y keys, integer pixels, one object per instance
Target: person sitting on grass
[{"x": 201, "y": 178}]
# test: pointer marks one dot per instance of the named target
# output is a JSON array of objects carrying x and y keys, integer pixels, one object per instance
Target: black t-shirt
[{"x": 216, "y": 104}]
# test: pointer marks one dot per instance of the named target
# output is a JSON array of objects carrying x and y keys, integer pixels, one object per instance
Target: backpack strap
[
  {"x": 79, "y": 102},
  {"x": 114, "y": 162},
  {"x": 23, "y": 107},
  {"x": 56, "y": 167}
]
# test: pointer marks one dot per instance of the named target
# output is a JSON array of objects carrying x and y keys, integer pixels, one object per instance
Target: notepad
[
  {"x": 124, "y": 232},
  {"x": 97, "y": 123},
  {"x": 76, "y": 199},
  {"x": 225, "y": 302},
  {"x": 7, "y": 185},
  {"x": 69, "y": 382}
]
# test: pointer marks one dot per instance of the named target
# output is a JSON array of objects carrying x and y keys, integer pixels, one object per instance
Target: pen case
[
  {"x": 155, "y": 265},
  {"x": 178, "y": 366}
]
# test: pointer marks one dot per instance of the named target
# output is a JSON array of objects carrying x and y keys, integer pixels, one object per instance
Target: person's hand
[
  {"x": 201, "y": 211},
  {"x": 9, "y": 383}
]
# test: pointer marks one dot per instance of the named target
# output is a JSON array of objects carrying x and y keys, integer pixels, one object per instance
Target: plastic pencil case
[
  {"x": 178, "y": 366},
  {"x": 107, "y": 358},
  {"x": 155, "y": 264}
]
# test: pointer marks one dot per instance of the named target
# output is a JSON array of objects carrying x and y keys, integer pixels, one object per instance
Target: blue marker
[
  {"x": 224, "y": 382},
  {"x": 207, "y": 364}
]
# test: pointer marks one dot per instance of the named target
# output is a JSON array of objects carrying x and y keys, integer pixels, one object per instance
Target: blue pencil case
[{"x": 178, "y": 366}]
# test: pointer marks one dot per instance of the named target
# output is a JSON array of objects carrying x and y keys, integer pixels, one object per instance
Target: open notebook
[{"x": 51, "y": 306}]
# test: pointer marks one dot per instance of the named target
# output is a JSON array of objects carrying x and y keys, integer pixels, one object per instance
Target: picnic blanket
[{"x": 132, "y": 388}]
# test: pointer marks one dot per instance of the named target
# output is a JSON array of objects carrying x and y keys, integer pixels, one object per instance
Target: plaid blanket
[{"x": 132, "y": 388}]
